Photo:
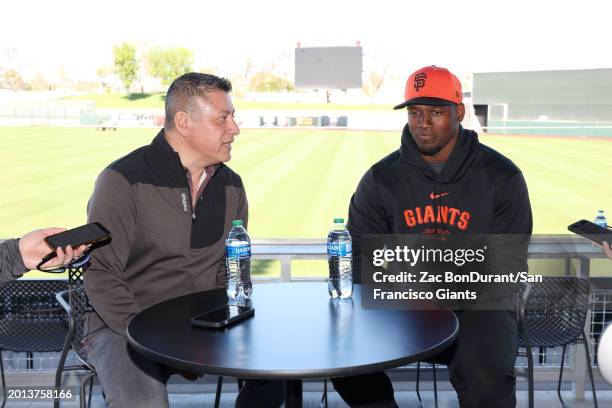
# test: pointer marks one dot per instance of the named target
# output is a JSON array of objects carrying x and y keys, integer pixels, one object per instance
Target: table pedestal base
[{"x": 293, "y": 394}]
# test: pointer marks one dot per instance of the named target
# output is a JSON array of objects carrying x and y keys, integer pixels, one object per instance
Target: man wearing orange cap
[{"x": 443, "y": 182}]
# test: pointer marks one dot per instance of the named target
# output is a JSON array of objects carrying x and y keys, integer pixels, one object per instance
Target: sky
[{"x": 77, "y": 36}]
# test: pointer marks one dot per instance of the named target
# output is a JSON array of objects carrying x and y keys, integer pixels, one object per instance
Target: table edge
[{"x": 296, "y": 374}]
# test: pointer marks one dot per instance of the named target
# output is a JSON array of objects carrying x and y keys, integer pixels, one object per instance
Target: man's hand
[
  {"x": 33, "y": 249},
  {"x": 607, "y": 250}
]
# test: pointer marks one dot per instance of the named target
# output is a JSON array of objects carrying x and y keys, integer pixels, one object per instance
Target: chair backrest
[
  {"x": 554, "y": 311},
  {"x": 31, "y": 319},
  {"x": 76, "y": 271},
  {"x": 77, "y": 305}
]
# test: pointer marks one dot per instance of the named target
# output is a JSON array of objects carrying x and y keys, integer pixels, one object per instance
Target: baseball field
[{"x": 296, "y": 180}]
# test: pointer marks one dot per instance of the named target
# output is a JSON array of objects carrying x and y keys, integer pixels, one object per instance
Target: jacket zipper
[
  {"x": 191, "y": 207},
  {"x": 199, "y": 201}
]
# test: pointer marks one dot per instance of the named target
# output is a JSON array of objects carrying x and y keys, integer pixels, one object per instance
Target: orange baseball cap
[{"x": 432, "y": 86}]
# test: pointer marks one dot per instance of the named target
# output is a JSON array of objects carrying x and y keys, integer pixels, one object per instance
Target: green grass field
[
  {"x": 296, "y": 180},
  {"x": 155, "y": 100}
]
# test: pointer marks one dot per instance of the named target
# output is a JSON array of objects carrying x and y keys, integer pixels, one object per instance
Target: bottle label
[
  {"x": 241, "y": 251},
  {"x": 339, "y": 248}
]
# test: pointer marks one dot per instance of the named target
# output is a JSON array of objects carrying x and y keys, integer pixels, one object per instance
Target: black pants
[
  {"x": 261, "y": 394},
  {"x": 480, "y": 363}
]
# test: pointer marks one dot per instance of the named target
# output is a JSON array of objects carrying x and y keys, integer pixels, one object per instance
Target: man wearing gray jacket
[{"x": 169, "y": 207}]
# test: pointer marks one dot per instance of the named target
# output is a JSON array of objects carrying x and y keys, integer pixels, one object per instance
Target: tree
[
  {"x": 126, "y": 64},
  {"x": 39, "y": 83},
  {"x": 265, "y": 81},
  {"x": 240, "y": 78},
  {"x": 373, "y": 83},
  {"x": 105, "y": 76},
  {"x": 168, "y": 63},
  {"x": 11, "y": 79}
]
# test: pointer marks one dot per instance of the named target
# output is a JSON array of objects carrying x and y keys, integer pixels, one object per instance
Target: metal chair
[
  {"x": 31, "y": 320},
  {"x": 76, "y": 304},
  {"x": 323, "y": 403},
  {"x": 220, "y": 386},
  {"x": 552, "y": 313},
  {"x": 435, "y": 385}
]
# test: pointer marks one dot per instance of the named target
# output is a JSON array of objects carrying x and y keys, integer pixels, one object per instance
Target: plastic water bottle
[
  {"x": 600, "y": 219},
  {"x": 340, "y": 259},
  {"x": 238, "y": 263}
]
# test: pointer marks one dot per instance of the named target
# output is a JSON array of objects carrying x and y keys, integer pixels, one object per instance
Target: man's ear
[
  {"x": 460, "y": 112},
  {"x": 181, "y": 122}
]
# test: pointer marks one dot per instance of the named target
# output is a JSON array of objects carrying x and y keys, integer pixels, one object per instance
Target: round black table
[{"x": 297, "y": 332}]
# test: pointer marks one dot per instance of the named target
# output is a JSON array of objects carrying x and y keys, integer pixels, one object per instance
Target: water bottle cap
[
  {"x": 338, "y": 220},
  {"x": 236, "y": 223}
]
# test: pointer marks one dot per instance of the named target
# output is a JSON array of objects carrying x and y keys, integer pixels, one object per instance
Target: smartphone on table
[{"x": 223, "y": 316}]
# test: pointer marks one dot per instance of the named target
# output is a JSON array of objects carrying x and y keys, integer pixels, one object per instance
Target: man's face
[
  {"x": 435, "y": 129},
  {"x": 212, "y": 127}
]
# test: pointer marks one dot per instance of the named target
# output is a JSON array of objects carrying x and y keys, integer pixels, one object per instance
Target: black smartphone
[
  {"x": 591, "y": 231},
  {"x": 223, "y": 316},
  {"x": 93, "y": 234}
]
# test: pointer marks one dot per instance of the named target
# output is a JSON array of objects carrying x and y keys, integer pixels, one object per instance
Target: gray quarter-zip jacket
[{"x": 161, "y": 247}]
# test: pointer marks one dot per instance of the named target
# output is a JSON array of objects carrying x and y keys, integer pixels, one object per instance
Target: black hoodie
[{"x": 478, "y": 191}]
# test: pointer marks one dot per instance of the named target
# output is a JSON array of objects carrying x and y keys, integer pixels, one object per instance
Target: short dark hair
[{"x": 185, "y": 88}]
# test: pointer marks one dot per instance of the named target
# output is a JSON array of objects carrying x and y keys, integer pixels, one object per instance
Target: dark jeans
[
  {"x": 261, "y": 394},
  {"x": 480, "y": 363}
]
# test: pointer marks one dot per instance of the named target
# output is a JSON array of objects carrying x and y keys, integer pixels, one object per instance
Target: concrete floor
[{"x": 202, "y": 395}]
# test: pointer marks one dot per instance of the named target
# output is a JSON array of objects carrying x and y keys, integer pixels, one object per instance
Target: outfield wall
[
  {"x": 561, "y": 102},
  {"x": 549, "y": 128},
  {"x": 83, "y": 113}
]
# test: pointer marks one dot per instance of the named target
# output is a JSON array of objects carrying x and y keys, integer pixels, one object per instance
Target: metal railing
[{"x": 541, "y": 247}]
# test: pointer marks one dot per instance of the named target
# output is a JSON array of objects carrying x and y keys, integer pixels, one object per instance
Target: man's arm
[
  {"x": 607, "y": 248},
  {"x": 512, "y": 214},
  {"x": 11, "y": 263},
  {"x": 243, "y": 208},
  {"x": 366, "y": 216},
  {"x": 510, "y": 233},
  {"x": 113, "y": 204},
  {"x": 34, "y": 248},
  {"x": 18, "y": 256}
]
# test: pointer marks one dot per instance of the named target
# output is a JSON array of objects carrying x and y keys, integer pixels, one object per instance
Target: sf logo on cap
[{"x": 419, "y": 80}]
